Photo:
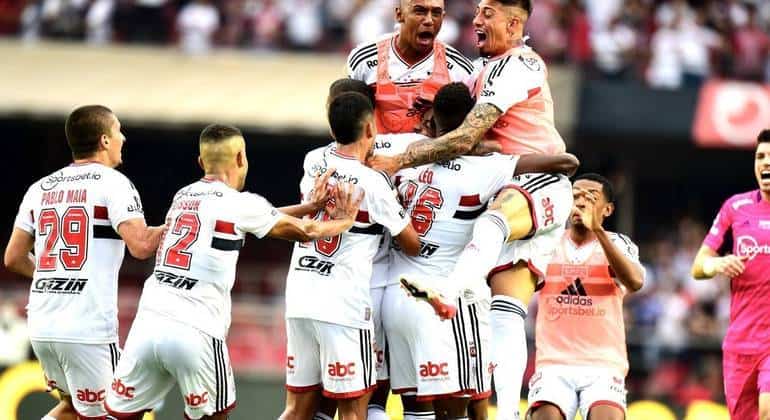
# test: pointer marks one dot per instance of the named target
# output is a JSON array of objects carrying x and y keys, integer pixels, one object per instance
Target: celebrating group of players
[{"x": 418, "y": 249}]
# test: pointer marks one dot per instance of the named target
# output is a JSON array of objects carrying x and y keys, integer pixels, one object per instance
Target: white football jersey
[
  {"x": 362, "y": 65},
  {"x": 329, "y": 278},
  {"x": 444, "y": 199},
  {"x": 195, "y": 264},
  {"x": 389, "y": 145},
  {"x": 74, "y": 214}
]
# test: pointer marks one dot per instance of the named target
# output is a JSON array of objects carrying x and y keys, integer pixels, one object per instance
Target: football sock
[
  {"x": 508, "y": 353},
  {"x": 376, "y": 412},
  {"x": 419, "y": 415},
  {"x": 480, "y": 255}
]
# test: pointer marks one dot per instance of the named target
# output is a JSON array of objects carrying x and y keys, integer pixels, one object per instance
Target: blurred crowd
[{"x": 667, "y": 43}]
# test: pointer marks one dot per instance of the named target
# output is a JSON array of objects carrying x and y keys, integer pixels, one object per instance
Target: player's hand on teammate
[
  {"x": 589, "y": 213},
  {"x": 322, "y": 192},
  {"x": 729, "y": 265},
  {"x": 486, "y": 147},
  {"x": 388, "y": 164},
  {"x": 346, "y": 202}
]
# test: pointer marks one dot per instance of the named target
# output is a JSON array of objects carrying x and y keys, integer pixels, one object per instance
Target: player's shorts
[
  {"x": 573, "y": 388},
  {"x": 332, "y": 357},
  {"x": 550, "y": 202},
  {"x": 436, "y": 359},
  {"x": 380, "y": 343},
  {"x": 82, "y": 371},
  {"x": 161, "y": 352},
  {"x": 746, "y": 376}
]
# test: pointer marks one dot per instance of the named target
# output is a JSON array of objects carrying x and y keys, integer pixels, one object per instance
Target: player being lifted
[
  {"x": 328, "y": 305},
  {"x": 79, "y": 220},
  {"x": 407, "y": 68},
  {"x": 513, "y": 241},
  {"x": 738, "y": 247},
  {"x": 434, "y": 361},
  {"x": 189, "y": 291},
  {"x": 581, "y": 361}
]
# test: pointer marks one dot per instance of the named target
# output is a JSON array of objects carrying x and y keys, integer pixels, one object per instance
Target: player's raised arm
[
  {"x": 17, "y": 254},
  {"x": 628, "y": 272},
  {"x": 457, "y": 142},
  {"x": 303, "y": 230}
]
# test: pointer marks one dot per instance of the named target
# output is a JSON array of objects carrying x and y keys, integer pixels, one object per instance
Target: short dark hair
[
  {"x": 215, "y": 133},
  {"x": 347, "y": 113},
  {"x": 524, "y": 4},
  {"x": 84, "y": 128},
  {"x": 764, "y": 136},
  {"x": 346, "y": 84},
  {"x": 451, "y": 105},
  {"x": 607, "y": 190}
]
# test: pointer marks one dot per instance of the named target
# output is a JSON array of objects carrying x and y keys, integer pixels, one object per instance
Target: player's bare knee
[
  {"x": 517, "y": 282},
  {"x": 516, "y": 208},
  {"x": 606, "y": 412},
  {"x": 546, "y": 411}
]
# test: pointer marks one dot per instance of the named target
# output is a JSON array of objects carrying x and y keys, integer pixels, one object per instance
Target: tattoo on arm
[{"x": 455, "y": 143}]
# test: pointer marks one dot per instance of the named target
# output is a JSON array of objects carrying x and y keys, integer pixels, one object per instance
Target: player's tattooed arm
[{"x": 455, "y": 143}]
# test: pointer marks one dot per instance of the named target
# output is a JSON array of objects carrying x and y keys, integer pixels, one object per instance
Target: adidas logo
[{"x": 574, "y": 294}]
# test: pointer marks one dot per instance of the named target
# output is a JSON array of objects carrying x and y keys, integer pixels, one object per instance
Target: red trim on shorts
[
  {"x": 225, "y": 411},
  {"x": 84, "y": 417},
  {"x": 606, "y": 402},
  {"x": 348, "y": 395},
  {"x": 534, "y": 269},
  {"x": 531, "y": 203},
  {"x": 508, "y": 266},
  {"x": 403, "y": 390},
  {"x": 476, "y": 396},
  {"x": 434, "y": 397},
  {"x": 303, "y": 389},
  {"x": 121, "y": 415},
  {"x": 540, "y": 403},
  {"x": 532, "y": 92}
]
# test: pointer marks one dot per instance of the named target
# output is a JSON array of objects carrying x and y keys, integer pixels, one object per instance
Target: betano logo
[{"x": 747, "y": 246}]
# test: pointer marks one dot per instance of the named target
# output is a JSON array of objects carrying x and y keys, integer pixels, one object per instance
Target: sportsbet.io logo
[{"x": 747, "y": 246}]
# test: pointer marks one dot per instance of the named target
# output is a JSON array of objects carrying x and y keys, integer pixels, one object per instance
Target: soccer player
[
  {"x": 581, "y": 361},
  {"x": 328, "y": 302},
  {"x": 188, "y": 293},
  {"x": 79, "y": 220},
  {"x": 407, "y": 68},
  {"x": 738, "y": 247},
  {"x": 431, "y": 360},
  {"x": 513, "y": 242}
]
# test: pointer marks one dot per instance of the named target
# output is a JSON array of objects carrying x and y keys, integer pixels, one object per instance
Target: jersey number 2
[
  {"x": 72, "y": 229},
  {"x": 188, "y": 226}
]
